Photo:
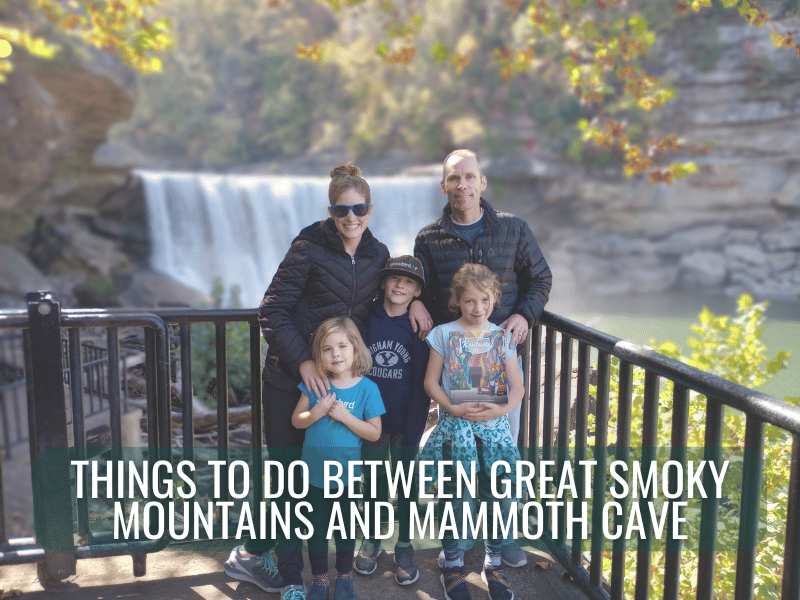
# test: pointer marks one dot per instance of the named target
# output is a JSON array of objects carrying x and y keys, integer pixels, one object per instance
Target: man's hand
[
  {"x": 420, "y": 318},
  {"x": 516, "y": 326},
  {"x": 313, "y": 379}
]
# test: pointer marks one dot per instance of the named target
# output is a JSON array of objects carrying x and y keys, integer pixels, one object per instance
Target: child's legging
[
  {"x": 403, "y": 457},
  {"x": 320, "y": 518},
  {"x": 468, "y": 501}
]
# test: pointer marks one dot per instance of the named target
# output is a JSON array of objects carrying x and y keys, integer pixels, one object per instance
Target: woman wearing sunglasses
[{"x": 330, "y": 270}]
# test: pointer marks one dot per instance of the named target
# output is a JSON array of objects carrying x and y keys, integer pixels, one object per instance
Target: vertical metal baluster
[
  {"x": 112, "y": 373},
  {"x": 78, "y": 423},
  {"x": 222, "y": 398},
  {"x": 534, "y": 404},
  {"x": 709, "y": 506},
  {"x": 581, "y": 432},
  {"x": 649, "y": 442},
  {"x": 748, "y": 512},
  {"x": 549, "y": 411},
  {"x": 791, "y": 553},
  {"x": 186, "y": 391},
  {"x": 6, "y": 430},
  {"x": 599, "y": 480},
  {"x": 222, "y": 388},
  {"x": 256, "y": 414},
  {"x": 152, "y": 391},
  {"x": 33, "y": 431},
  {"x": 623, "y": 454},
  {"x": 52, "y": 505},
  {"x": 680, "y": 434},
  {"x": 565, "y": 395}
]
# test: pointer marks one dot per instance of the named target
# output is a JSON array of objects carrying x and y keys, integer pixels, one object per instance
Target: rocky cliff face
[
  {"x": 734, "y": 225},
  {"x": 68, "y": 222}
]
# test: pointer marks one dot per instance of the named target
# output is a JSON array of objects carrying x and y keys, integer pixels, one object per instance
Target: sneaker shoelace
[
  {"x": 294, "y": 594},
  {"x": 265, "y": 560}
]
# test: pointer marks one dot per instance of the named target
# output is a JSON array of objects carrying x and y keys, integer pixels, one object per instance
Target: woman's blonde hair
[
  {"x": 362, "y": 361},
  {"x": 475, "y": 274},
  {"x": 347, "y": 177}
]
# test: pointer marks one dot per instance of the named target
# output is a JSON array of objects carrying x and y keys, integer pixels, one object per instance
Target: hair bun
[{"x": 348, "y": 169}]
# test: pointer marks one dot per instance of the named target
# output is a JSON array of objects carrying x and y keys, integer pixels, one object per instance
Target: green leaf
[{"x": 439, "y": 52}]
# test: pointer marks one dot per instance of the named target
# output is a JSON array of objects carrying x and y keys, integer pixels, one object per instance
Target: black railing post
[{"x": 51, "y": 471}]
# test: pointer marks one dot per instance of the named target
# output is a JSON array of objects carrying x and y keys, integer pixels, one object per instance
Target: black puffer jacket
[
  {"x": 316, "y": 280},
  {"x": 506, "y": 246}
]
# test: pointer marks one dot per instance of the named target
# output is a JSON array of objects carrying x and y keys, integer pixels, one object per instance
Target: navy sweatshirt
[{"x": 399, "y": 362}]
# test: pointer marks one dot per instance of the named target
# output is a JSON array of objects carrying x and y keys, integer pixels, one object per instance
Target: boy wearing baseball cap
[{"x": 400, "y": 359}]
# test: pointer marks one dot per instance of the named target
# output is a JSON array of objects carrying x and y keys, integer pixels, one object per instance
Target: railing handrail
[
  {"x": 760, "y": 409},
  {"x": 767, "y": 408}
]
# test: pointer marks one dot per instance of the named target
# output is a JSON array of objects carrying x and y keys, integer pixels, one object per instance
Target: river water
[{"x": 667, "y": 316}]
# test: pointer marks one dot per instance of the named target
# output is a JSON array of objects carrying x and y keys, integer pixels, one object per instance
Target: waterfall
[{"x": 239, "y": 227}]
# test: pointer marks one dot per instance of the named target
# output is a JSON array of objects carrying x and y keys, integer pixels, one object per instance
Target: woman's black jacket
[{"x": 316, "y": 280}]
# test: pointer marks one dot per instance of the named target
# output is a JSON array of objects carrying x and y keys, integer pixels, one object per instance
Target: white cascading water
[{"x": 238, "y": 227}]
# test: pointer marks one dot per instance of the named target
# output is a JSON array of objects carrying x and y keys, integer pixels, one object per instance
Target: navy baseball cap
[{"x": 407, "y": 266}]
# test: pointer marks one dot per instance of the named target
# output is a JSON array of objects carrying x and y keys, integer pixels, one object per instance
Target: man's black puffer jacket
[
  {"x": 316, "y": 280},
  {"x": 506, "y": 246}
]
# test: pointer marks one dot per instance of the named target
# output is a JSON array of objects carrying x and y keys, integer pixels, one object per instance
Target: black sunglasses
[{"x": 340, "y": 211}]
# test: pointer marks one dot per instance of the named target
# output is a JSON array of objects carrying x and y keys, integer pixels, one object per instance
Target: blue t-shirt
[{"x": 328, "y": 439}]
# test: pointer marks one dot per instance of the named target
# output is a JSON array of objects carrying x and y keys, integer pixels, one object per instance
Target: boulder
[
  {"x": 789, "y": 195},
  {"x": 705, "y": 269},
  {"x": 693, "y": 238},
  {"x": 150, "y": 289},
  {"x": 781, "y": 261},
  {"x": 18, "y": 275},
  {"x": 786, "y": 237},
  {"x": 745, "y": 256},
  {"x": 63, "y": 244}
]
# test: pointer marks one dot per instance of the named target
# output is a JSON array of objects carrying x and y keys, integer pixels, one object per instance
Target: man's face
[{"x": 463, "y": 184}]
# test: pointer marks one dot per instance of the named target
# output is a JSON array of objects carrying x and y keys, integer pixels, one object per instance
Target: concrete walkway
[{"x": 180, "y": 575}]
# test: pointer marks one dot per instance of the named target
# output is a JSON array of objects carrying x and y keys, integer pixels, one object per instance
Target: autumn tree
[
  {"x": 403, "y": 67},
  {"x": 600, "y": 46},
  {"x": 120, "y": 27}
]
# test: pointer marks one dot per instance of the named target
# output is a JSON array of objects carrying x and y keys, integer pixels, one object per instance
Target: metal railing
[
  {"x": 47, "y": 407},
  {"x": 758, "y": 409}
]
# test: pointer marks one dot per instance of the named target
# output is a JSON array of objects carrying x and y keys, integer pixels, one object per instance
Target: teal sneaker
[
  {"x": 343, "y": 590},
  {"x": 259, "y": 570},
  {"x": 293, "y": 592},
  {"x": 318, "y": 592}
]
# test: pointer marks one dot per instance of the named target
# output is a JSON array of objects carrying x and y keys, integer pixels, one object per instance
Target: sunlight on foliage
[
  {"x": 730, "y": 347},
  {"x": 119, "y": 27},
  {"x": 602, "y": 45}
]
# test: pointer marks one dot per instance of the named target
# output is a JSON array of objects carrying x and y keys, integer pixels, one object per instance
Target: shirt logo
[{"x": 386, "y": 358}]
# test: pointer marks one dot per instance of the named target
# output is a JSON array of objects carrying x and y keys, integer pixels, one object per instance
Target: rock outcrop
[{"x": 735, "y": 224}]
